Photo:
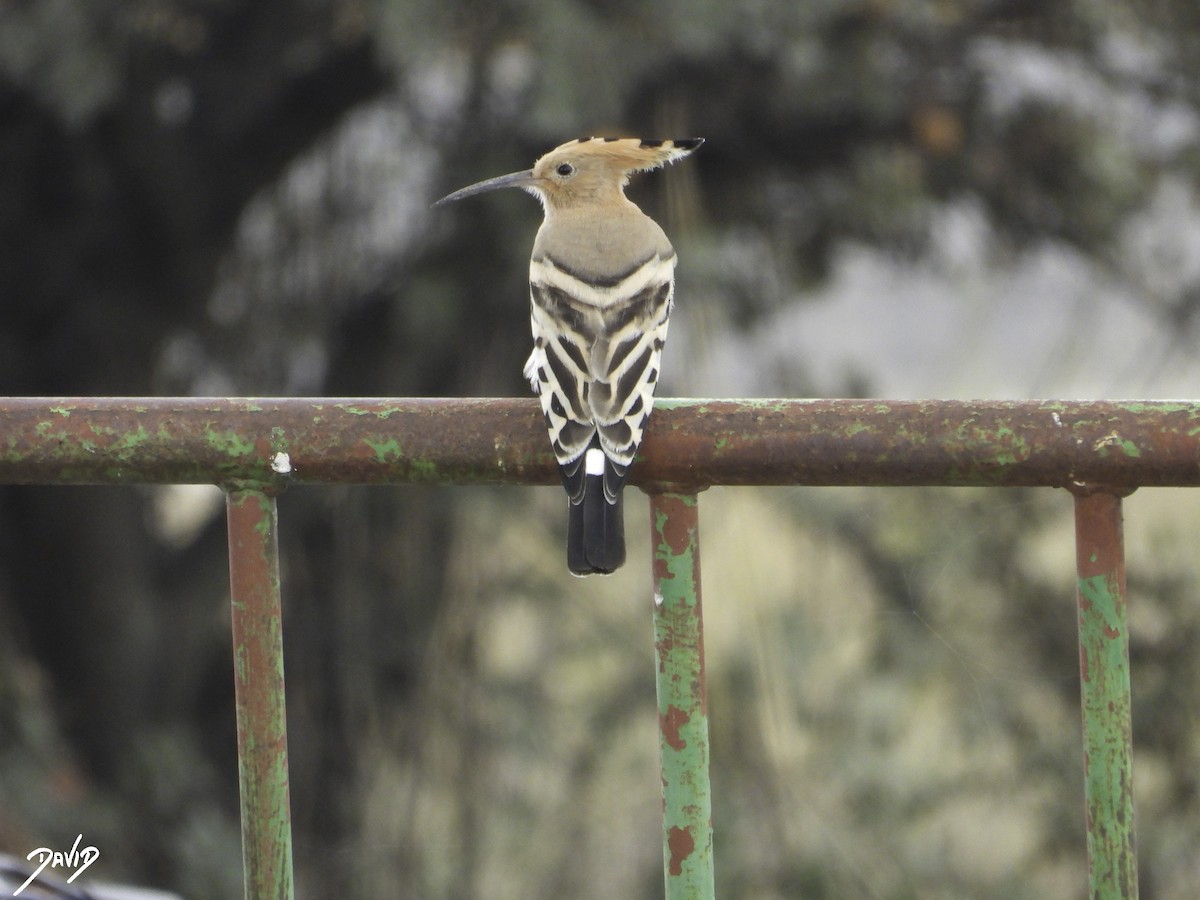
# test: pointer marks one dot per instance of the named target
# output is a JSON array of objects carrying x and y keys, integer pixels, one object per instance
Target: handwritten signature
[{"x": 79, "y": 859}]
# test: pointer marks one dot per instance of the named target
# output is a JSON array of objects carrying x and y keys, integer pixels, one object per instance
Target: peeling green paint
[
  {"x": 768, "y": 404},
  {"x": 1141, "y": 406},
  {"x": 383, "y": 412},
  {"x": 1108, "y": 768},
  {"x": 130, "y": 441},
  {"x": 1013, "y": 448},
  {"x": 260, "y": 707},
  {"x": 229, "y": 442},
  {"x": 1106, "y": 699},
  {"x": 423, "y": 470},
  {"x": 385, "y": 450},
  {"x": 682, "y": 702},
  {"x": 702, "y": 405}
]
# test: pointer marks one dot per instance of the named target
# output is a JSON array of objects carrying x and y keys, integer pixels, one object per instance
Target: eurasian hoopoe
[{"x": 601, "y": 283}]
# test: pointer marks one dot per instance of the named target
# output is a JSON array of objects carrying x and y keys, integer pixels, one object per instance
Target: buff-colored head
[{"x": 586, "y": 172}]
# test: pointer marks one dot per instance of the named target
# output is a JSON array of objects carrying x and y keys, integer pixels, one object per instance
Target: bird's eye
[{"x": 565, "y": 170}]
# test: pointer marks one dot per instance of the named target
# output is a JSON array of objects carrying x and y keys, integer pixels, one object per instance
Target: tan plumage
[{"x": 601, "y": 279}]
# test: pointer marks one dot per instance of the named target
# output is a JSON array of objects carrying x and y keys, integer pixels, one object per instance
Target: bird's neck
[{"x": 615, "y": 206}]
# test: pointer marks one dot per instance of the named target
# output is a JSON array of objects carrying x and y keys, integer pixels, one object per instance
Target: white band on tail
[{"x": 593, "y": 462}]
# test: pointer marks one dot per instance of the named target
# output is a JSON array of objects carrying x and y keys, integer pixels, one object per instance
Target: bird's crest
[
  {"x": 594, "y": 171},
  {"x": 628, "y": 154},
  {"x": 585, "y": 172}
]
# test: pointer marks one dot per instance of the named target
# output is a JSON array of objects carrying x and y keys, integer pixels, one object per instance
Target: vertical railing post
[
  {"x": 259, "y": 695},
  {"x": 682, "y": 697},
  {"x": 1106, "y": 696}
]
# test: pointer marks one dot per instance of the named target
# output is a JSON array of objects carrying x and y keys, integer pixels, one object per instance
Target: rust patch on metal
[
  {"x": 677, "y": 532},
  {"x": 662, "y": 568},
  {"x": 1103, "y": 551},
  {"x": 681, "y": 845},
  {"x": 662, "y": 648},
  {"x": 670, "y": 724}
]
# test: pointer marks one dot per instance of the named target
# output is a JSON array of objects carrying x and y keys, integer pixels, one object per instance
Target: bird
[{"x": 601, "y": 290}]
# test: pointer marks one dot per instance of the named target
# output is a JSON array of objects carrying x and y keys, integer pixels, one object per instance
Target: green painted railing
[
  {"x": 1099, "y": 451},
  {"x": 1106, "y": 697},
  {"x": 257, "y": 616},
  {"x": 682, "y": 698}
]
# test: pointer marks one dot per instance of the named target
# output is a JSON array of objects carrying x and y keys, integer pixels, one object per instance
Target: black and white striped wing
[
  {"x": 594, "y": 365},
  {"x": 595, "y": 361},
  {"x": 625, "y": 365},
  {"x": 558, "y": 373}
]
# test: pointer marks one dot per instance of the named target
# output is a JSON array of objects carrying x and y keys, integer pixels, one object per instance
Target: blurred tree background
[{"x": 897, "y": 198}]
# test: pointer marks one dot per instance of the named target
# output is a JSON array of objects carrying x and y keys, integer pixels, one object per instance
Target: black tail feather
[
  {"x": 595, "y": 531},
  {"x": 603, "y": 527},
  {"x": 595, "y": 523},
  {"x": 577, "y": 560}
]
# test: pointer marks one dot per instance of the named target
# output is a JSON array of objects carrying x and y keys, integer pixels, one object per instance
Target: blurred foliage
[{"x": 232, "y": 198}]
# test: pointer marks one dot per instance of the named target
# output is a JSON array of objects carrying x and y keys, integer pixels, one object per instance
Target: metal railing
[{"x": 254, "y": 448}]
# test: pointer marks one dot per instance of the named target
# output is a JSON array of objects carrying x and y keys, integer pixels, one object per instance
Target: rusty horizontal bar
[{"x": 689, "y": 443}]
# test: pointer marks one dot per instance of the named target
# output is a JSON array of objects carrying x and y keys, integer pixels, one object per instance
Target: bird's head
[{"x": 589, "y": 171}]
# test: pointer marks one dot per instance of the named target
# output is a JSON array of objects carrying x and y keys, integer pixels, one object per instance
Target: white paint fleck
[
  {"x": 281, "y": 463},
  {"x": 658, "y": 600},
  {"x": 1057, "y": 419}
]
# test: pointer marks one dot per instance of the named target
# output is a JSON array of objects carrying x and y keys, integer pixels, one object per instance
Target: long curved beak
[{"x": 516, "y": 179}]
